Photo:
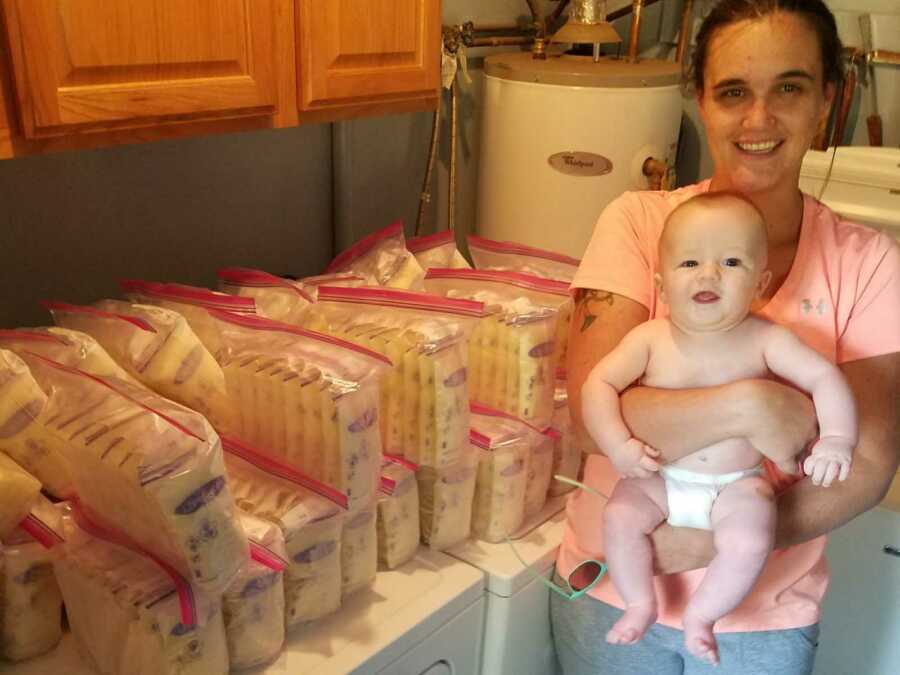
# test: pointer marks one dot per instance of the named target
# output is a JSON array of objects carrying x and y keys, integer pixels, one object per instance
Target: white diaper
[{"x": 691, "y": 495}]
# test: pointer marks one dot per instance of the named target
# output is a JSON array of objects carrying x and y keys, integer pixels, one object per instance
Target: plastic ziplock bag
[
  {"x": 145, "y": 466},
  {"x": 437, "y": 250},
  {"x": 425, "y": 395},
  {"x": 512, "y": 353},
  {"x": 343, "y": 279},
  {"x": 30, "y": 601},
  {"x": 311, "y": 517},
  {"x": 19, "y": 491},
  {"x": 382, "y": 258},
  {"x": 253, "y": 606},
  {"x": 488, "y": 254},
  {"x": 566, "y": 450},
  {"x": 128, "y": 613},
  {"x": 398, "y": 512},
  {"x": 310, "y": 399},
  {"x": 155, "y": 345},
  {"x": 445, "y": 502},
  {"x": 192, "y": 303},
  {"x": 69, "y": 347},
  {"x": 276, "y": 298},
  {"x": 23, "y": 436}
]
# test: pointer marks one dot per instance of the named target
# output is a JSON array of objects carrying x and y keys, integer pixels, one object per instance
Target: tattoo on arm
[{"x": 588, "y": 300}]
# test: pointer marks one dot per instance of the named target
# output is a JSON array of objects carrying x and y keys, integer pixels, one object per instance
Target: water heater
[{"x": 565, "y": 135}]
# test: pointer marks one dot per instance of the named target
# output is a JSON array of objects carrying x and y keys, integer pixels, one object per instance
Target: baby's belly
[{"x": 733, "y": 454}]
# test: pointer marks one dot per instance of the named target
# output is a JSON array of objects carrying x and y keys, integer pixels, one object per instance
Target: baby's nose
[{"x": 709, "y": 270}]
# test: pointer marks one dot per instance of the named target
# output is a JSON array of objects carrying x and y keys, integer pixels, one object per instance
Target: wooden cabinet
[
  {"x": 95, "y": 64},
  {"x": 87, "y": 73},
  {"x": 368, "y": 54}
]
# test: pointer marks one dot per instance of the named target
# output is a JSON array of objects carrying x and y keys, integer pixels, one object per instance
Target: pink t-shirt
[{"x": 842, "y": 297}]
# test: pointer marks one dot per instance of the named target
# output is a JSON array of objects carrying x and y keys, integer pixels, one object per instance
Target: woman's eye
[
  {"x": 732, "y": 262},
  {"x": 734, "y": 92},
  {"x": 789, "y": 88},
  {"x": 688, "y": 263}
]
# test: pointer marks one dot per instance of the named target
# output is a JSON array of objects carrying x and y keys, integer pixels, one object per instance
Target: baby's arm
[
  {"x": 787, "y": 356},
  {"x": 601, "y": 413}
]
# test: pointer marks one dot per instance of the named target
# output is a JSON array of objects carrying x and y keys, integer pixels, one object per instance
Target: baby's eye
[
  {"x": 688, "y": 263},
  {"x": 732, "y": 262}
]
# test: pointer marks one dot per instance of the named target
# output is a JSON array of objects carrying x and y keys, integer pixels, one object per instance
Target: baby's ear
[
  {"x": 764, "y": 280},
  {"x": 657, "y": 279}
]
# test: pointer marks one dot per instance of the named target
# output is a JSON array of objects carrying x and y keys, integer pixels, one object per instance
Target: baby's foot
[
  {"x": 700, "y": 641},
  {"x": 632, "y": 626}
]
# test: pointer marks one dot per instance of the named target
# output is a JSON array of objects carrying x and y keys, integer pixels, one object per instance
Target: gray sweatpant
[{"x": 580, "y": 626}]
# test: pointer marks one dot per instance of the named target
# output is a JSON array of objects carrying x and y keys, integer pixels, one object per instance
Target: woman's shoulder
[{"x": 652, "y": 203}]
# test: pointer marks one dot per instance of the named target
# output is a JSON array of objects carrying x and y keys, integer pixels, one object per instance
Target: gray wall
[{"x": 72, "y": 224}]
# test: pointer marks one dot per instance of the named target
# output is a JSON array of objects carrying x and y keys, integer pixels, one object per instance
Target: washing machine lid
[
  {"x": 866, "y": 166},
  {"x": 505, "y": 575},
  {"x": 582, "y": 71}
]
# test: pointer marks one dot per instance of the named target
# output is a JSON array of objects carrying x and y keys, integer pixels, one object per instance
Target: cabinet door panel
[
  {"x": 96, "y": 63},
  {"x": 358, "y": 50}
]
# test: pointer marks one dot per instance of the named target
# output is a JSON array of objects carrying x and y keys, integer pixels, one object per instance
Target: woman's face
[{"x": 762, "y": 101}]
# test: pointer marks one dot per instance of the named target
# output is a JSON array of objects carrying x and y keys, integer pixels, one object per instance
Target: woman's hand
[{"x": 778, "y": 420}]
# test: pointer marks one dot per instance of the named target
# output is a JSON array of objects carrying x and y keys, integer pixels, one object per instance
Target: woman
[{"x": 765, "y": 76}]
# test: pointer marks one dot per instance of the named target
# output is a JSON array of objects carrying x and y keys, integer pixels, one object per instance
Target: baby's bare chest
[{"x": 700, "y": 364}]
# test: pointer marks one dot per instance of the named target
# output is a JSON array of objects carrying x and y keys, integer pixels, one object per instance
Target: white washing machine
[
  {"x": 424, "y": 618},
  {"x": 517, "y": 636},
  {"x": 861, "y": 183}
]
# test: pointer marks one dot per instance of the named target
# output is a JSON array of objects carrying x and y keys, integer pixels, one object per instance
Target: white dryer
[{"x": 517, "y": 636}]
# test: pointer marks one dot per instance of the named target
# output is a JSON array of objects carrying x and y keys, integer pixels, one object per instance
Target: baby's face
[{"x": 712, "y": 264}]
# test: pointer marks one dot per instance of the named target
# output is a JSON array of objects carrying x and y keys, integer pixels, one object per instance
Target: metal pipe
[
  {"x": 561, "y": 5},
  {"x": 451, "y": 196},
  {"x": 883, "y": 57},
  {"x": 636, "y": 8},
  {"x": 496, "y": 28},
  {"x": 500, "y": 41},
  {"x": 425, "y": 195},
  {"x": 684, "y": 36},
  {"x": 625, "y": 11}
]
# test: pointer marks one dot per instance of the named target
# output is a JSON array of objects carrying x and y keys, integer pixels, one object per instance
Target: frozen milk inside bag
[
  {"x": 19, "y": 491},
  {"x": 437, "y": 250},
  {"x": 147, "y": 466},
  {"x": 253, "y": 606},
  {"x": 382, "y": 258},
  {"x": 131, "y": 613},
  {"x": 445, "y": 502},
  {"x": 359, "y": 549},
  {"x": 276, "y": 297},
  {"x": 310, "y": 515},
  {"x": 398, "y": 512},
  {"x": 566, "y": 449}
]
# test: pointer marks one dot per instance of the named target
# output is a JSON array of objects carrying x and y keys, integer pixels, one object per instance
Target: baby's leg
[
  {"x": 743, "y": 522},
  {"x": 636, "y": 508}
]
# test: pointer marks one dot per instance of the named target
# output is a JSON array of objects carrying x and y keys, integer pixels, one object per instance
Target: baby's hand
[
  {"x": 634, "y": 459},
  {"x": 830, "y": 459}
]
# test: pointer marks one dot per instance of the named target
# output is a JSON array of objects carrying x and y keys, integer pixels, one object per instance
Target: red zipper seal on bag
[
  {"x": 390, "y": 297},
  {"x": 388, "y": 485},
  {"x": 480, "y": 409},
  {"x": 520, "y": 249},
  {"x": 30, "y": 336},
  {"x": 191, "y": 295},
  {"x": 260, "y": 323},
  {"x": 272, "y": 466},
  {"x": 430, "y": 241},
  {"x": 266, "y": 556},
  {"x": 518, "y": 279},
  {"x": 245, "y": 276},
  {"x": 365, "y": 245},
  {"x": 186, "y": 601},
  {"x": 52, "y": 305},
  {"x": 42, "y": 533}
]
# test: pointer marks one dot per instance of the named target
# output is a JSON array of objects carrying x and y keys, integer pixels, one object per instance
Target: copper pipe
[
  {"x": 534, "y": 12},
  {"x": 425, "y": 195},
  {"x": 561, "y": 5},
  {"x": 636, "y": 8},
  {"x": 883, "y": 57},
  {"x": 684, "y": 37},
  {"x": 496, "y": 28},
  {"x": 843, "y": 111},
  {"x": 625, "y": 11},
  {"x": 451, "y": 197},
  {"x": 500, "y": 41},
  {"x": 656, "y": 171}
]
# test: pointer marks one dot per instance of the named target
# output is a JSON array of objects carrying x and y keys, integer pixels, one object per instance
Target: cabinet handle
[{"x": 892, "y": 550}]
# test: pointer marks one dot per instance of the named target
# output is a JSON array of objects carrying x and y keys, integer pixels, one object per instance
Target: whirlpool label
[{"x": 580, "y": 163}]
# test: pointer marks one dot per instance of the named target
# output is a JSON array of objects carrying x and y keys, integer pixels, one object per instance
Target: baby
[{"x": 712, "y": 261}]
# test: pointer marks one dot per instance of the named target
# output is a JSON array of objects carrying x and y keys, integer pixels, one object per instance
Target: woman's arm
[{"x": 806, "y": 511}]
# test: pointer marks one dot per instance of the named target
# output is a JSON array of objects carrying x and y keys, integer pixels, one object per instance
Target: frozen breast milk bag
[
  {"x": 276, "y": 298},
  {"x": 19, "y": 491},
  {"x": 437, "y": 250},
  {"x": 23, "y": 435},
  {"x": 309, "y": 398},
  {"x": 155, "y": 345},
  {"x": 359, "y": 549},
  {"x": 131, "y": 615},
  {"x": 445, "y": 502},
  {"x": 382, "y": 258},
  {"x": 30, "y": 602},
  {"x": 540, "y": 469},
  {"x": 310, "y": 516},
  {"x": 148, "y": 467},
  {"x": 253, "y": 606},
  {"x": 566, "y": 450},
  {"x": 398, "y": 513}
]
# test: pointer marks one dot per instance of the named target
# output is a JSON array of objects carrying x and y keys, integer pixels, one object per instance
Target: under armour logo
[{"x": 806, "y": 306}]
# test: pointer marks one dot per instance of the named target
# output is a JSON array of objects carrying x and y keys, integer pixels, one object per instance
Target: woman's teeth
[{"x": 758, "y": 148}]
